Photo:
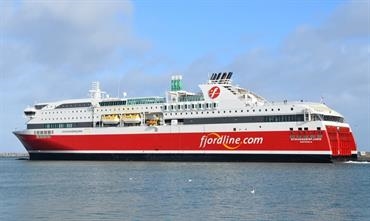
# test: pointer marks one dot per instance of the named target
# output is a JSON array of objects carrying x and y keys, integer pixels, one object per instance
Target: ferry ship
[{"x": 222, "y": 122}]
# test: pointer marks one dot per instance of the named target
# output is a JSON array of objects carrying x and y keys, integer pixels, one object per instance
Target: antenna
[{"x": 95, "y": 91}]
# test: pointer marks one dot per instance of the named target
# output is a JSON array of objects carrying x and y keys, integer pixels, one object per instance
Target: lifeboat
[
  {"x": 152, "y": 122},
  {"x": 110, "y": 119},
  {"x": 131, "y": 118}
]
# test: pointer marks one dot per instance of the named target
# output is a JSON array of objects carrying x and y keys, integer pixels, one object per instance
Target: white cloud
[{"x": 80, "y": 36}]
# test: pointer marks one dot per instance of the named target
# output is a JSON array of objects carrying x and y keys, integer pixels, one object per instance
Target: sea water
[{"x": 90, "y": 190}]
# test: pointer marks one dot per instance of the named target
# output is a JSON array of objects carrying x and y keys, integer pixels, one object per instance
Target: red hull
[{"x": 266, "y": 143}]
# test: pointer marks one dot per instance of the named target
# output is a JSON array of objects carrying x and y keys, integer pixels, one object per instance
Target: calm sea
[{"x": 63, "y": 190}]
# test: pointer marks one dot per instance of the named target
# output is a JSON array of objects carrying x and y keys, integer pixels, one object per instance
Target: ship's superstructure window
[
  {"x": 283, "y": 118},
  {"x": 112, "y": 103},
  {"x": 245, "y": 119},
  {"x": 40, "y": 106},
  {"x": 191, "y": 98},
  {"x": 59, "y": 125},
  {"x": 333, "y": 118},
  {"x": 146, "y": 100},
  {"x": 74, "y": 105},
  {"x": 321, "y": 117}
]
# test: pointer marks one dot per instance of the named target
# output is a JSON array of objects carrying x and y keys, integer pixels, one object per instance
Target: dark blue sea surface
[{"x": 65, "y": 190}]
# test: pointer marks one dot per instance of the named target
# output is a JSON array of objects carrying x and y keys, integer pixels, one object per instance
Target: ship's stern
[{"x": 342, "y": 143}]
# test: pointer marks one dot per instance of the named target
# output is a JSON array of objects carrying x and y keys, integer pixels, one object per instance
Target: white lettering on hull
[{"x": 227, "y": 141}]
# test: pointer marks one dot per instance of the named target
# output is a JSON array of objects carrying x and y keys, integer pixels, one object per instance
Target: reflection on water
[{"x": 63, "y": 190}]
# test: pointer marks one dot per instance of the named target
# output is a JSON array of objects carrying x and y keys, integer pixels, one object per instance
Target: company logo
[
  {"x": 214, "y": 92},
  {"x": 227, "y": 141}
]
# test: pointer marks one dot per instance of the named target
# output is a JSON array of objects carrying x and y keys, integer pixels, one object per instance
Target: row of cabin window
[
  {"x": 128, "y": 108},
  {"x": 44, "y": 132},
  {"x": 203, "y": 112},
  {"x": 69, "y": 118},
  {"x": 63, "y": 112},
  {"x": 202, "y": 106},
  {"x": 74, "y": 105},
  {"x": 189, "y": 106},
  {"x": 305, "y": 128},
  {"x": 67, "y": 125}
]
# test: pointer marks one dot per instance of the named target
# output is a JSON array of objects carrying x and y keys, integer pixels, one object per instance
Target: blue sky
[{"x": 293, "y": 50}]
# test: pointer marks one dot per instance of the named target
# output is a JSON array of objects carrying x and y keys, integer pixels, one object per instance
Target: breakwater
[
  {"x": 14, "y": 155},
  {"x": 363, "y": 156}
]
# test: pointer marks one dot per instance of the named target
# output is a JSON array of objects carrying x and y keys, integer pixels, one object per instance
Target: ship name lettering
[{"x": 227, "y": 141}]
